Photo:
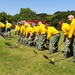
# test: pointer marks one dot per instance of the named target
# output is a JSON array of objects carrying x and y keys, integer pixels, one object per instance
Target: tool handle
[
  {"x": 60, "y": 51},
  {"x": 58, "y": 45}
]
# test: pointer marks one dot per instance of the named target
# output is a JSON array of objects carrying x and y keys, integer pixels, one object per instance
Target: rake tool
[
  {"x": 16, "y": 46},
  {"x": 51, "y": 61},
  {"x": 46, "y": 57},
  {"x": 35, "y": 51},
  {"x": 58, "y": 46},
  {"x": 60, "y": 51}
]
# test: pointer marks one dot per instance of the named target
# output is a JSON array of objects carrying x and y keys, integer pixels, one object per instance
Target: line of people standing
[
  {"x": 40, "y": 35},
  {"x": 69, "y": 36}
]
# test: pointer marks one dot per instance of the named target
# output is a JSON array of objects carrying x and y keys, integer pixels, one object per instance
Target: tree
[
  {"x": 27, "y": 14},
  {"x": 3, "y": 17}
]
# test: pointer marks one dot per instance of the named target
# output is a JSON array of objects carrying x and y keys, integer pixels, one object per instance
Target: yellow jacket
[
  {"x": 2, "y": 25},
  {"x": 16, "y": 27},
  {"x": 51, "y": 31},
  {"x": 24, "y": 32},
  {"x": 8, "y": 25},
  {"x": 41, "y": 29},
  {"x": 29, "y": 30},
  {"x": 35, "y": 28},
  {"x": 65, "y": 28},
  {"x": 22, "y": 29},
  {"x": 72, "y": 28},
  {"x": 19, "y": 28}
]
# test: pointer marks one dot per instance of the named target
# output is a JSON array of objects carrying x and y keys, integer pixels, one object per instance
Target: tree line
[{"x": 28, "y": 14}]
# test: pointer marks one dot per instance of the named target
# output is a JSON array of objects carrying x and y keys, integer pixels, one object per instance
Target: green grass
[{"x": 23, "y": 61}]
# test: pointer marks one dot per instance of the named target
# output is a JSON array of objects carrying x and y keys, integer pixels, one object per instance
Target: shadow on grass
[{"x": 8, "y": 44}]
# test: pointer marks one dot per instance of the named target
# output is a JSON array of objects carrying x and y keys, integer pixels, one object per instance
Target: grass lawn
[{"x": 23, "y": 61}]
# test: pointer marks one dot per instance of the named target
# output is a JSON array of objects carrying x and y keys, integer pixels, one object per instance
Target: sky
[{"x": 13, "y": 7}]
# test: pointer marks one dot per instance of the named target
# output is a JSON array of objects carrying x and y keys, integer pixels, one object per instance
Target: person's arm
[{"x": 71, "y": 31}]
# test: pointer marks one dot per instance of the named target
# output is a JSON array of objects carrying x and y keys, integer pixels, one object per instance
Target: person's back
[
  {"x": 65, "y": 28},
  {"x": 8, "y": 25},
  {"x": 51, "y": 31},
  {"x": 53, "y": 41}
]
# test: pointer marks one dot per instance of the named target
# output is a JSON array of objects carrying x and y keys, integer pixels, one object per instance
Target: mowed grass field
[{"x": 23, "y": 61}]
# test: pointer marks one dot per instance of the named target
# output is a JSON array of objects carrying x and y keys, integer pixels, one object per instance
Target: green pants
[
  {"x": 31, "y": 41},
  {"x": 68, "y": 48},
  {"x": 74, "y": 48},
  {"x": 19, "y": 37},
  {"x": 41, "y": 41},
  {"x": 54, "y": 43},
  {"x": 25, "y": 42}
]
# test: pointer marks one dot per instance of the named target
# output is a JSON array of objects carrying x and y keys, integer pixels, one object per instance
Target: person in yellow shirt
[
  {"x": 35, "y": 28},
  {"x": 8, "y": 28},
  {"x": 42, "y": 36},
  {"x": 30, "y": 35},
  {"x": 2, "y": 27},
  {"x": 22, "y": 29},
  {"x": 25, "y": 27},
  {"x": 21, "y": 37},
  {"x": 65, "y": 29},
  {"x": 18, "y": 31},
  {"x": 53, "y": 36},
  {"x": 16, "y": 28},
  {"x": 71, "y": 19},
  {"x": 26, "y": 33},
  {"x": 25, "y": 40}
]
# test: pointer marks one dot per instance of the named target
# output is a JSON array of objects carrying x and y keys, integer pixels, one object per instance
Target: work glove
[
  {"x": 29, "y": 38},
  {"x": 23, "y": 36},
  {"x": 36, "y": 38}
]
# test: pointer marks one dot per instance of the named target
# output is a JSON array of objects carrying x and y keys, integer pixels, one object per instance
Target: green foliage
[
  {"x": 28, "y": 14},
  {"x": 3, "y": 17},
  {"x": 42, "y": 16}
]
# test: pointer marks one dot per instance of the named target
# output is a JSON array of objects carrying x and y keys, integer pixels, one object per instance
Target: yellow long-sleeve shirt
[
  {"x": 72, "y": 28},
  {"x": 35, "y": 28},
  {"x": 29, "y": 30},
  {"x": 22, "y": 29},
  {"x": 24, "y": 32},
  {"x": 65, "y": 28},
  {"x": 51, "y": 31},
  {"x": 2, "y": 25},
  {"x": 16, "y": 27},
  {"x": 8, "y": 25},
  {"x": 41, "y": 29},
  {"x": 19, "y": 28}
]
